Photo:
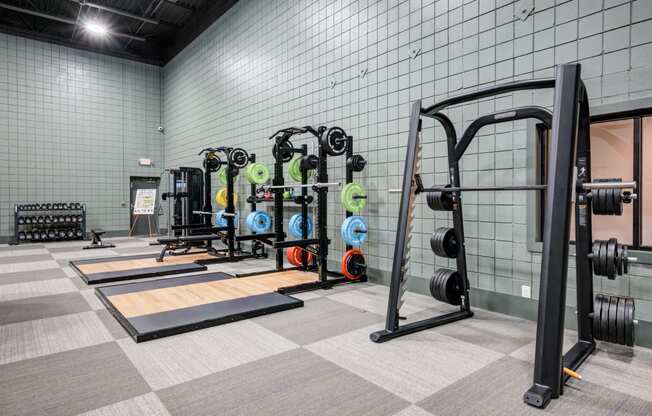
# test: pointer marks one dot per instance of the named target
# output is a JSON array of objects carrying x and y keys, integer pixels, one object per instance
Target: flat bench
[{"x": 96, "y": 235}]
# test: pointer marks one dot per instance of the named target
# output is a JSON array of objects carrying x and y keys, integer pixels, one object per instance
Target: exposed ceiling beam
[
  {"x": 64, "y": 20},
  {"x": 43, "y": 37},
  {"x": 118, "y": 11}
]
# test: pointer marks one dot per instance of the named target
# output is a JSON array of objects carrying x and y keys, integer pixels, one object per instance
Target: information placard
[{"x": 145, "y": 202}]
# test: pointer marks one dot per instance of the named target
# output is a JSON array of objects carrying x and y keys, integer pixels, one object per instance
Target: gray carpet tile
[
  {"x": 374, "y": 299},
  {"x": 23, "y": 259},
  {"x": 68, "y": 383},
  {"x": 29, "y": 339},
  {"x": 83, "y": 254},
  {"x": 41, "y": 307},
  {"x": 35, "y": 288},
  {"x": 621, "y": 368},
  {"x": 28, "y": 266},
  {"x": 30, "y": 276},
  {"x": 413, "y": 411},
  {"x": 111, "y": 324},
  {"x": 146, "y": 405},
  {"x": 66, "y": 248},
  {"x": 497, "y": 390},
  {"x": 93, "y": 301},
  {"x": 412, "y": 367},
  {"x": 491, "y": 330},
  {"x": 173, "y": 360},
  {"x": 23, "y": 251},
  {"x": 27, "y": 246},
  {"x": 293, "y": 383},
  {"x": 318, "y": 319}
]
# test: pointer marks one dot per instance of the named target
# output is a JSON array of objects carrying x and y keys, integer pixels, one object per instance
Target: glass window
[
  {"x": 645, "y": 188},
  {"x": 612, "y": 148}
]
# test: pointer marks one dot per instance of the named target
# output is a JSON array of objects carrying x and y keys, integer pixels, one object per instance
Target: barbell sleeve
[
  {"x": 610, "y": 185},
  {"x": 301, "y": 185},
  {"x": 535, "y": 187}
]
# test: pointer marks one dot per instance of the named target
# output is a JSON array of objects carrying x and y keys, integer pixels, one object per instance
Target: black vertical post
[
  {"x": 252, "y": 205},
  {"x": 304, "y": 207},
  {"x": 230, "y": 209},
  {"x": 349, "y": 173},
  {"x": 278, "y": 205},
  {"x": 208, "y": 207},
  {"x": 403, "y": 228},
  {"x": 322, "y": 214},
  {"x": 583, "y": 230},
  {"x": 458, "y": 218},
  {"x": 556, "y": 228}
]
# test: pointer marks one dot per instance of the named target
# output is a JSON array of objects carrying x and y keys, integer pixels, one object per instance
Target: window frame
[{"x": 635, "y": 110}]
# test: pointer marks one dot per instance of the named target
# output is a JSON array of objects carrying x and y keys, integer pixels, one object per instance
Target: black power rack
[
  {"x": 607, "y": 318},
  {"x": 203, "y": 234},
  {"x": 331, "y": 142},
  {"x": 42, "y": 222}
]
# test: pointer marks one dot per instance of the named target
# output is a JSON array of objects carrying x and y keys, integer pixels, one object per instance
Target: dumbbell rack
[{"x": 20, "y": 210}]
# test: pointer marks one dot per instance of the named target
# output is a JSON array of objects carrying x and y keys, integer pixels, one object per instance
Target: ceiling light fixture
[{"x": 96, "y": 28}]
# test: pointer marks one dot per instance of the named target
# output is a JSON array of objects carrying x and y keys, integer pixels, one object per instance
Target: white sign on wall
[{"x": 145, "y": 202}]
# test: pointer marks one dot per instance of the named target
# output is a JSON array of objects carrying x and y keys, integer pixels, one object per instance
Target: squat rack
[
  {"x": 570, "y": 124},
  {"x": 283, "y": 153}
]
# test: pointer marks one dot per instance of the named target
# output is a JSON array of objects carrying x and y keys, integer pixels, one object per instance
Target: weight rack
[
  {"x": 570, "y": 123},
  {"x": 327, "y": 278},
  {"x": 21, "y": 210}
]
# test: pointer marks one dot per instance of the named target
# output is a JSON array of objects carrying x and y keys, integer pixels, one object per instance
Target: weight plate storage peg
[
  {"x": 353, "y": 197},
  {"x": 446, "y": 286},
  {"x": 613, "y": 319},
  {"x": 295, "y": 169},
  {"x": 609, "y": 258},
  {"x": 444, "y": 242},
  {"x": 295, "y": 225},
  {"x": 334, "y": 141},
  {"x": 222, "y": 176},
  {"x": 354, "y": 231},
  {"x": 354, "y": 265},
  {"x": 238, "y": 158},
  {"x": 356, "y": 163},
  {"x": 258, "y": 222},
  {"x": 221, "y": 197},
  {"x": 221, "y": 221},
  {"x": 257, "y": 173},
  {"x": 283, "y": 151},
  {"x": 440, "y": 201}
]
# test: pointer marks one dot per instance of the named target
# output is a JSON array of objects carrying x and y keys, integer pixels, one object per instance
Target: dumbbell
[
  {"x": 79, "y": 233},
  {"x": 35, "y": 235},
  {"x": 78, "y": 205},
  {"x": 40, "y": 219},
  {"x": 80, "y": 218},
  {"x": 27, "y": 220},
  {"x": 28, "y": 235},
  {"x": 48, "y": 219},
  {"x": 48, "y": 206},
  {"x": 21, "y": 220},
  {"x": 21, "y": 236},
  {"x": 62, "y": 219},
  {"x": 70, "y": 233},
  {"x": 43, "y": 235},
  {"x": 52, "y": 234},
  {"x": 62, "y": 233}
]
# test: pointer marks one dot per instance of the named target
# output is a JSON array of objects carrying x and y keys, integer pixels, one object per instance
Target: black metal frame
[
  {"x": 570, "y": 125},
  {"x": 227, "y": 235},
  {"x": 327, "y": 278},
  {"x": 18, "y": 227}
]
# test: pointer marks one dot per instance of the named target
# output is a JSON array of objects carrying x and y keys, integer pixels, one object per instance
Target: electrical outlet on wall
[{"x": 526, "y": 291}]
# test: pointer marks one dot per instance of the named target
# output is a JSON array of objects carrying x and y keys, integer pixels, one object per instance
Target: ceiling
[{"x": 152, "y": 31}]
